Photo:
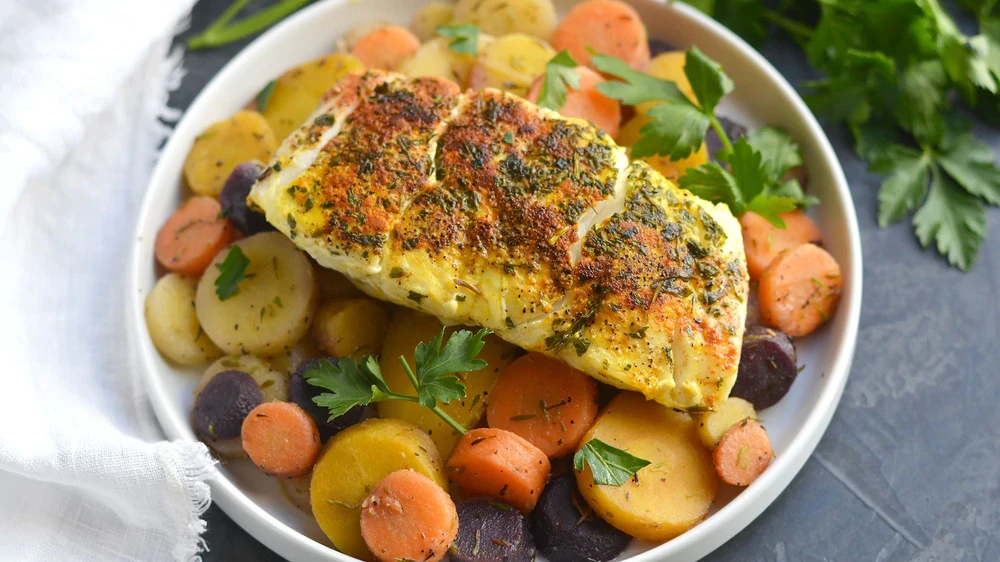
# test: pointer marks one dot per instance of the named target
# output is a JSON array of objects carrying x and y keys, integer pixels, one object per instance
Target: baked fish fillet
[{"x": 481, "y": 208}]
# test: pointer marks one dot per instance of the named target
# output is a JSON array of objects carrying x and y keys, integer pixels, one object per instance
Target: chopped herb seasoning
[
  {"x": 508, "y": 137},
  {"x": 508, "y": 322},
  {"x": 396, "y": 273},
  {"x": 416, "y": 297}
]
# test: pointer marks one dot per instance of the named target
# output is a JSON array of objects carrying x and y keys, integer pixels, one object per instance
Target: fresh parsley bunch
[
  {"x": 750, "y": 174},
  {"x": 896, "y": 74}
]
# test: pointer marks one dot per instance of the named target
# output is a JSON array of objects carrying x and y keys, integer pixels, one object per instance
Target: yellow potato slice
[
  {"x": 224, "y": 145},
  {"x": 502, "y": 17},
  {"x": 672, "y": 493},
  {"x": 353, "y": 462},
  {"x": 350, "y": 327},
  {"x": 427, "y": 19},
  {"x": 297, "y": 92},
  {"x": 510, "y": 63}
]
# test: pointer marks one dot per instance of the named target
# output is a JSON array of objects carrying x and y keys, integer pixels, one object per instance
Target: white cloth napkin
[{"x": 84, "y": 472}]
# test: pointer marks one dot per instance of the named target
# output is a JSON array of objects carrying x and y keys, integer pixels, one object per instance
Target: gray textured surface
[{"x": 910, "y": 467}]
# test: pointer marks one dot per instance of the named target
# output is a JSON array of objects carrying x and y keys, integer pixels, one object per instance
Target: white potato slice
[
  {"x": 274, "y": 303},
  {"x": 172, "y": 323}
]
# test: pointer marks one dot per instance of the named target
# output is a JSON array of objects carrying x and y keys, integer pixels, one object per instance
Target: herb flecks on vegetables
[
  {"x": 263, "y": 98},
  {"x": 560, "y": 76},
  {"x": 221, "y": 32},
  {"x": 232, "y": 271},
  {"x": 894, "y": 71},
  {"x": 464, "y": 38},
  {"x": 433, "y": 376},
  {"x": 755, "y": 166},
  {"x": 609, "y": 465}
]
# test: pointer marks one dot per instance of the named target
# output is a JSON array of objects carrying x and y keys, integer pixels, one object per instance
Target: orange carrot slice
[
  {"x": 191, "y": 237},
  {"x": 545, "y": 401},
  {"x": 743, "y": 453},
  {"x": 800, "y": 290},
  {"x": 586, "y": 102},
  {"x": 408, "y": 517},
  {"x": 499, "y": 464},
  {"x": 607, "y": 26},
  {"x": 385, "y": 46},
  {"x": 763, "y": 241},
  {"x": 281, "y": 439}
]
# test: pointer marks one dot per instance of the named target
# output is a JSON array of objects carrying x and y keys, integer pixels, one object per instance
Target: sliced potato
[
  {"x": 334, "y": 285},
  {"x": 429, "y": 17},
  {"x": 274, "y": 305},
  {"x": 297, "y": 92},
  {"x": 713, "y": 425},
  {"x": 435, "y": 58},
  {"x": 225, "y": 144},
  {"x": 408, "y": 328},
  {"x": 273, "y": 384},
  {"x": 350, "y": 327},
  {"x": 502, "y": 17},
  {"x": 672, "y": 493},
  {"x": 671, "y": 169},
  {"x": 510, "y": 63},
  {"x": 172, "y": 323},
  {"x": 353, "y": 462}
]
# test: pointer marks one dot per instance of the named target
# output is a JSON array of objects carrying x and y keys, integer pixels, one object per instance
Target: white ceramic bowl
[{"x": 795, "y": 425}]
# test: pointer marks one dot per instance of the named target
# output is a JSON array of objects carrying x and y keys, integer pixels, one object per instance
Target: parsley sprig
[
  {"x": 609, "y": 465},
  {"x": 896, "y": 75},
  {"x": 751, "y": 173},
  {"x": 464, "y": 37},
  {"x": 560, "y": 76},
  {"x": 433, "y": 377}
]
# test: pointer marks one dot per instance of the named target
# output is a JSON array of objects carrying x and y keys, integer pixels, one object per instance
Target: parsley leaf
[
  {"x": 971, "y": 164},
  {"x": 636, "y": 87},
  {"x": 349, "y": 384},
  {"x": 560, "y": 76},
  {"x": 953, "y": 219},
  {"x": 675, "y": 130},
  {"x": 708, "y": 82},
  {"x": 609, "y": 465},
  {"x": 352, "y": 384},
  {"x": 464, "y": 38},
  {"x": 779, "y": 153},
  {"x": 232, "y": 270},
  {"x": 436, "y": 365},
  {"x": 906, "y": 185}
]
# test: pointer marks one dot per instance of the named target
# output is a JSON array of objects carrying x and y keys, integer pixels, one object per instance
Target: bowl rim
[{"x": 691, "y": 545}]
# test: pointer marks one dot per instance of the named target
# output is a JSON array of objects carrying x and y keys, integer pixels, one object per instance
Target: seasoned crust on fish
[{"x": 481, "y": 208}]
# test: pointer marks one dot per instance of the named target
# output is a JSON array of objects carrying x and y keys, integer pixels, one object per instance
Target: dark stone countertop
[{"x": 909, "y": 469}]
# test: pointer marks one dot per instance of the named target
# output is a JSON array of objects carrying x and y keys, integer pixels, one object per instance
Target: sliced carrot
[
  {"x": 499, "y": 464},
  {"x": 763, "y": 241},
  {"x": 385, "y": 46},
  {"x": 607, "y": 26},
  {"x": 545, "y": 401},
  {"x": 743, "y": 453},
  {"x": 800, "y": 290},
  {"x": 192, "y": 236},
  {"x": 586, "y": 102},
  {"x": 408, "y": 517},
  {"x": 281, "y": 438}
]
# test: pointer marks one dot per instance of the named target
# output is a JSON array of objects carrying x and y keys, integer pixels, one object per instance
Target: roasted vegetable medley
[{"x": 409, "y": 440}]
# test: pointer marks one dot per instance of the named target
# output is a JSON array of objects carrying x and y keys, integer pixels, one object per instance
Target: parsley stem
[
  {"x": 797, "y": 30},
  {"x": 220, "y": 33},
  {"x": 435, "y": 408},
  {"x": 727, "y": 146}
]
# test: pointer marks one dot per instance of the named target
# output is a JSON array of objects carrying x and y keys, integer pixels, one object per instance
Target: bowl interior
[{"x": 761, "y": 96}]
